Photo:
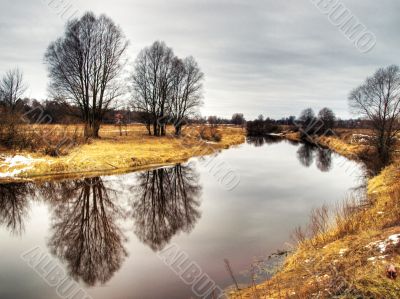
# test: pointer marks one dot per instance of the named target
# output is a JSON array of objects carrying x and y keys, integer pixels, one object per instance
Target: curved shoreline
[{"x": 119, "y": 156}]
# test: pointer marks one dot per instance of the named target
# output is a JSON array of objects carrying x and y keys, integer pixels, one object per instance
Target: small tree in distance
[
  {"x": 307, "y": 120},
  {"x": 327, "y": 120},
  {"x": 238, "y": 119},
  {"x": 12, "y": 88}
]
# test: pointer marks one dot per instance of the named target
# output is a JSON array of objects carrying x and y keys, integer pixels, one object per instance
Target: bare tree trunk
[
  {"x": 178, "y": 130},
  {"x": 92, "y": 130},
  {"x": 162, "y": 130},
  {"x": 148, "y": 127}
]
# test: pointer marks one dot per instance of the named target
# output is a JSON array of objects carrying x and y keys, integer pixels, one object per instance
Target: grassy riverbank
[
  {"x": 347, "y": 255},
  {"x": 114, "y": 153}
]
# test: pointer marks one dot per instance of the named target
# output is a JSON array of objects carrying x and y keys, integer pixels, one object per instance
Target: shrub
[
  {"x": 50, "y": 140},
  {"x": 210, "y": 133}
]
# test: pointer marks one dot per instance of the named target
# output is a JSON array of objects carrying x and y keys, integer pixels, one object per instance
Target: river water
[{"x": 111, "y": 234}]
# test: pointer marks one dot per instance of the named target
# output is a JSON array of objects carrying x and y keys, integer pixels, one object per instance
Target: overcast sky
[{"x": 259, "y": 56}]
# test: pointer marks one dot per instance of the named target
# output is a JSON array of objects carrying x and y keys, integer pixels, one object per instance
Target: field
[{"x": 135, "y": 149}]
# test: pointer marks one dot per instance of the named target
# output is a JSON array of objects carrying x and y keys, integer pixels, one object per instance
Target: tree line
[{"x": 308, "y": 123}]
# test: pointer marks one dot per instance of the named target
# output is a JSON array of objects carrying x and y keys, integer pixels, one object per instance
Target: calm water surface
[{"x": 106, "y": 231}]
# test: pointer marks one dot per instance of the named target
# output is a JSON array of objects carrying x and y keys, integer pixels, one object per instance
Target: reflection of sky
[{"x": 276, "y": 193}]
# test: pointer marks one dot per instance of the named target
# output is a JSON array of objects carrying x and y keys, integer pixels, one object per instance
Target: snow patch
[
  {"x": 382, "y": 245},
  {"x": 211, "y": 142},
  {"x": 15, "y": 165},
  {"x": 18, "y": 161}
]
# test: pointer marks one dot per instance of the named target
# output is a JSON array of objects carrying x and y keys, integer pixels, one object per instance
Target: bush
[
  {"x": 210, "y": 133},
  {"x": 50, "y": 140}
]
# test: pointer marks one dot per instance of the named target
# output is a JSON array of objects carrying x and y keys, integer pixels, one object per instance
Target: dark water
[{"x": 105, "y": 232}]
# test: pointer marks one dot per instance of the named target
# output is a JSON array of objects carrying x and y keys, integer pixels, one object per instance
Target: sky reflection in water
[{"x": 106, "y": 230}]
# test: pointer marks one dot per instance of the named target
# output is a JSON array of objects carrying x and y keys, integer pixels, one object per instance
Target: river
[{"x": 110, "y": 233}]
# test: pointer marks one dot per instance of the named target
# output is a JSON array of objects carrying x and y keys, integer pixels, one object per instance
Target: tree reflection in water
[
  {"x": 307, "y": 152},
  {"x": 324, "y": 159},
  {"x": 84, "y": 230},
  {"x": 166, "y": 202},
  {"x": 260, "y": 141},
  {"x": 14, "y": 203}
]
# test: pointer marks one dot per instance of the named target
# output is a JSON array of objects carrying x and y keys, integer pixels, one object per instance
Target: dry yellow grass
[
  {"x": 349, "y": 259},
  {"x": 137, "y": 150}
]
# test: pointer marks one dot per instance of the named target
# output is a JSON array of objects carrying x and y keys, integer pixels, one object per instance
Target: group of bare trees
[
  {"x": 166, "y": 88},
  {"x": 310, "y": 124},
  {"x": 378, "y": 99},
  {"x": 85, "y": 67}
]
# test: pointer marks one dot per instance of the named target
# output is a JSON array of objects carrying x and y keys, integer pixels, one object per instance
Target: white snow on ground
[
  {"x": 342, "y": 251},
  {"x": 18, "y": 162},
  {"x": 381, "y": 245},
  {"x": 361, "y": 138},
  {"x": 211, "y": 142},
  {"x": 381, "y": 257}
]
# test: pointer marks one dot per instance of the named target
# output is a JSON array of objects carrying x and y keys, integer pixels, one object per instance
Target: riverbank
[
  {"x": 348, "y": 255},
  {"x": 117, "y": 154}
]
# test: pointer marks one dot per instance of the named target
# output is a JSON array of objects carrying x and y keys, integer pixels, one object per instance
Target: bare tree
[
  {"x": 238, "y": 119},
  {"x": 378, "y": 100},
  {"x": 165, "y": 88},
  {"x": 187, "y": 90},
  {"x": 327, "y": 118},
  {"x": 84, "y": 67},
  {"x": 12, "y": 88},
  {"x": 151, "y": 81},
  {"x": 308, "y": 123}
]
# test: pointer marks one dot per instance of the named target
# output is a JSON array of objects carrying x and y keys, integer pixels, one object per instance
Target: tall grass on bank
[{"x": 53, "y": 141}]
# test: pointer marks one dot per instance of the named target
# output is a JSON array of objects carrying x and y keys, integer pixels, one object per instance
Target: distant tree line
[
  {"x": 261, "y": 127},
  {"x": 308, "y": 123}
]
